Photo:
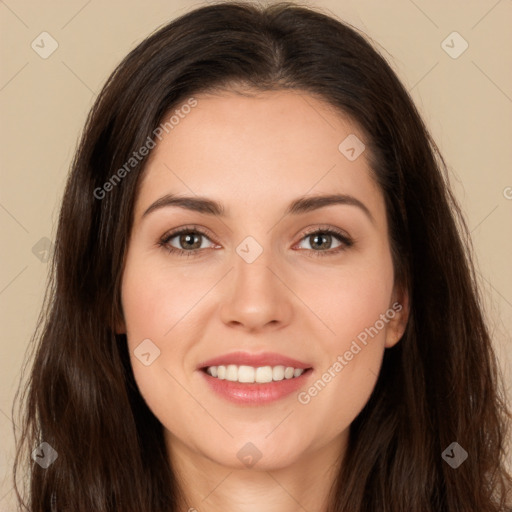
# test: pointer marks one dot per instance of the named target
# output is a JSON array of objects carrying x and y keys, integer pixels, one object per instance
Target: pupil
[
  {"x": 317, "y": 237},
  {"x": 188, "y": 239}
]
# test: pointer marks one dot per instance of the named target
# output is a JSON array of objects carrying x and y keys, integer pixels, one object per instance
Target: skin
[{"x": 255, "y": 155}]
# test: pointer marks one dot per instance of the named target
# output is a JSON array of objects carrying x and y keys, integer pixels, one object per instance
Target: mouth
[
  {"x": 249, "y": 374},
  {"x": 254, "y": 379},
  {"x": 246, "y": 367}
]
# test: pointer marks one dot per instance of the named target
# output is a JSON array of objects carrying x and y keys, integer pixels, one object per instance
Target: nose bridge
[
  {"x": 256, "y": 296},
  {"x": 252, "y": 270}
]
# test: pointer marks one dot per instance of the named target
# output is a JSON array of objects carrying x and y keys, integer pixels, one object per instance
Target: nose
[{"x": 256, "y": 297}]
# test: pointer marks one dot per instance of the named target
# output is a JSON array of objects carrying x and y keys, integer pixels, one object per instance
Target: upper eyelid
[{"x": 186, "y": 229}]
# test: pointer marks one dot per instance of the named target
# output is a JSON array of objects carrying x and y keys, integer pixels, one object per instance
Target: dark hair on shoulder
[{"x": 439, "y": 384}]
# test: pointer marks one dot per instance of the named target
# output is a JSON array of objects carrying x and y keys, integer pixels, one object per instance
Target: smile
[{"x": 250, "y": 374}]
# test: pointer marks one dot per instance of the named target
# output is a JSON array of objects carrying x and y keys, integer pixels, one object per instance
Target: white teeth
[
  {"x": 212, "y": 370},
  {"x": 278, "y": 373},
  {"x": 288, "y": 373},
  {"x": 246, "y": 374},
  {"x": 249, "y": 374},
  {"x": 263, "y": 374},
  {"x": 221, "y": 372}
]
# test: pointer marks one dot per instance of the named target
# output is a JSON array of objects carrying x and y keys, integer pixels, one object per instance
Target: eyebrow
[{"x": 298, "y": 206}]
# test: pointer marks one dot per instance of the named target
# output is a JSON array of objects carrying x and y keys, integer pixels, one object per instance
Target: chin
[{"x": 258, "y": 453}]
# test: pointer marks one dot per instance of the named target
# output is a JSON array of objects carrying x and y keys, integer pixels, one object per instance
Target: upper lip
[{"x": 256, "y": 360}]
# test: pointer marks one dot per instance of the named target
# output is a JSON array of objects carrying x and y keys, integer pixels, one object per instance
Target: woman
[{"x": 263, "y": 295}]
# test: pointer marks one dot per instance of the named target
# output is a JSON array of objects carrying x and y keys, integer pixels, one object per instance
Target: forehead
[{"x": 265, "y": 150}]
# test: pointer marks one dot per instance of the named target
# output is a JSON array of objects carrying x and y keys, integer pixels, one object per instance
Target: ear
[{"x": 398, "y": 314}]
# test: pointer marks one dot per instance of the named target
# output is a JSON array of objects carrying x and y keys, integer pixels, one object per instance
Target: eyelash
[{"x": 343, "y": 238}]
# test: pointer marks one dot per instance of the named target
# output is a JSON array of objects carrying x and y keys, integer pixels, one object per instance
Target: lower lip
[{"x": 255, "y": 393}]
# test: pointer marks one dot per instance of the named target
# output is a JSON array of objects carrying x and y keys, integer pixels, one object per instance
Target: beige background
[{"x": 466, "y": 102}]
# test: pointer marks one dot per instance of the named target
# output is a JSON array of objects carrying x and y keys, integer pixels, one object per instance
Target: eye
[
  {"x": 188, "y": 237},
  {"x": 190, "y": 240},
  {"x": 321, "y": 238}
]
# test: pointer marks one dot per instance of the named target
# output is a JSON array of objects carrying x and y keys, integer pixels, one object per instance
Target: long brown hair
[{"x": 440, "y": 384}]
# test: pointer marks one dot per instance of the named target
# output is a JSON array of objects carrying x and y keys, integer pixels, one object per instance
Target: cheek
[
  {"x": 351, "y": 298},
  {"x": 354, "y": 305},
  {"x": 154, "y": 299},
  {"x": 159, "y": 303}
]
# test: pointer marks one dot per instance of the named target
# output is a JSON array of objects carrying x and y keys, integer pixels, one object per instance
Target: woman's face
[{"x": 259, "y": 286}]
